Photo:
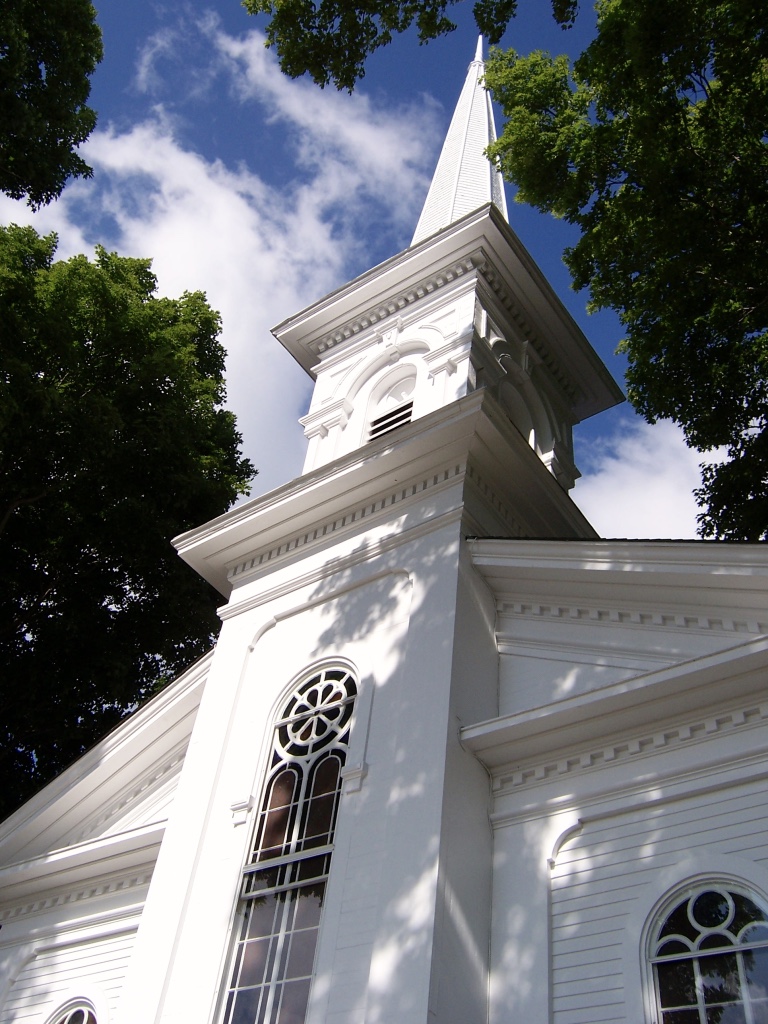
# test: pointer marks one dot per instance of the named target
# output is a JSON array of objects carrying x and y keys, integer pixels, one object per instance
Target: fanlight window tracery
[
  {"x": 284, "y": 881},
  {"x": 710, "y": 960},
  {"x": 76, "y": 1015}
]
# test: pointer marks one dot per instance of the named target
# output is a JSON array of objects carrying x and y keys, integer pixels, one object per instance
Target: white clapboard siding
[
  {"x": 598, "y": 876},
  {"x": 67, "y": 970}
]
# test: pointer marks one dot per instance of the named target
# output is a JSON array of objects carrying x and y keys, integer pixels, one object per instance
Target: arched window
[
  {"x": 79, "y": 1014},
  {"x": 710, "y": 959},
  {"x": 285, "y": 877}
]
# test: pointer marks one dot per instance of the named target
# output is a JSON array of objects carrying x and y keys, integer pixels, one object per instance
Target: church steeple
[
  {"x": 463, "y": 310},
  {"x": 464, "y": 178}
]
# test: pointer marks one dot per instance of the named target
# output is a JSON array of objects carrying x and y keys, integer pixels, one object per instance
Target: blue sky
[{"x": 267, "y": 193}]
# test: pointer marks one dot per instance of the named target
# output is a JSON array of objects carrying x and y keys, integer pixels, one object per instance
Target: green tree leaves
[
  {"x": 112, "y": 441},
  {"x": 330, "y": 40},
  {"x": 655, "y": 144},
  {"x": 48, "y": 50}
]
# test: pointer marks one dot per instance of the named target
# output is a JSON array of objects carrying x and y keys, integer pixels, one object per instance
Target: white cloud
[
  {"x": 261, "y": 251},
  {"x": 350, "y": 131},
  {"x": 162, "y": 44},
  {"x": 640, "y": 482}
]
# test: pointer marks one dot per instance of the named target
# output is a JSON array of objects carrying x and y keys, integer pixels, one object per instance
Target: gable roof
[{"x": 109, "y": 806}]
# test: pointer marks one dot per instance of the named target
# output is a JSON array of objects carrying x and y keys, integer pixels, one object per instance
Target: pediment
[{"x": 124, "y": 784}]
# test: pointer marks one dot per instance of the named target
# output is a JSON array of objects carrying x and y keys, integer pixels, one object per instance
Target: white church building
[{"x": 454, "y": 759}]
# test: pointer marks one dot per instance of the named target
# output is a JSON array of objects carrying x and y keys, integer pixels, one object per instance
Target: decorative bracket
[
  {"x": 240, "y": 810},
  {"x": 353, "y": 775}
]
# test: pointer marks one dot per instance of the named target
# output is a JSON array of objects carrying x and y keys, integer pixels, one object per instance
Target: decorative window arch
[
  {"x": 74, "y": 1013},
  {"x": 709, "y": 954},
  {"x": 284, "y": 881}
]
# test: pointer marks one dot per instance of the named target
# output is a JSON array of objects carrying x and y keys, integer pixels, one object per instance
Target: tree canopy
[
  {"x": 48, "y": 50},
  {"x": 113, "y": 439},
  {"x": 655, "y": 144},
  {"x": 330, "y": 40}
]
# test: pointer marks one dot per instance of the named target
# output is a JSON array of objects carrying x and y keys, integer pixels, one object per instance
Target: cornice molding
[
  {"x": 630, "y": 617},
  {"x": 584, "y": 654},
  {"x": 397, "y": 468},
  {"x": 478, "y": 263},
  {"x": 105, "y": 887},
  {"x": 394, "y": 304},
  {"x": 343, "y": 564},
  {"x": 721, "y": 563},
  {"x": 484, "y": 488},
  {"x": 144, "y": 787},
  {"x": 380, "y": 505},
  {"x": 643, "y": 745},
  {"x": 639, "y": 705},
  {"x": 82, "y": 866},
  {"x": 480, "y": 247}
]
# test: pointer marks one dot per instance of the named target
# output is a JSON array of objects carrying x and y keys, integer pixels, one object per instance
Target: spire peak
[{"x": 464, "y": 178}]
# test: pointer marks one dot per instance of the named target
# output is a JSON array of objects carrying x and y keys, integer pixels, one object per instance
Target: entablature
[
  {"x": 599, "y": 716},
  {"x": 473, "y": 434},
  {"x": 482, "y": 246}
]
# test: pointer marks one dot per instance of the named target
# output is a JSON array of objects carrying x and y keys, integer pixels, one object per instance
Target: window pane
[
  {"x": 255, "y": 962},
  {"x": 245, "y": 1006},
  {"x": 260, "y": 916},
  {"x": 674, "y": 946},
  {"x": 747, "y": 911},
  {"x": 678, "y": 924},
  {"x": 756, "y": 971},
  {"x": 681, "y": 1017},
  {"x": 255, "y": 881},
  {"x": 319, "y": 821},
  {"x": 276, "y": 816},
  {"x": 293, "y": 1005},
  {"x": 711, "y": 909},
  {"x": 308, "y": 906},
  {"x": 302, "y": 954},
  {"x": 717, "y": 940},
  {"x": 320, "y": 814},
  {"x": 677, "y": 986},
  {"x": 720, "y": 978},
  {"x": 312, "y": 867},
  {"x": 726, "y": 1015}
]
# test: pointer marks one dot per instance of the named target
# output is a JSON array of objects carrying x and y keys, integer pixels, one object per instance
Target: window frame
[
  {"x": 684, "y": 896},
  {"x": 297, "y": 845}
]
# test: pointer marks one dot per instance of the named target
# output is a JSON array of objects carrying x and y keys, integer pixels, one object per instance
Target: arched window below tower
[
  {"x": 710, "y": 958},
  {"x": 284, "y": 881}
]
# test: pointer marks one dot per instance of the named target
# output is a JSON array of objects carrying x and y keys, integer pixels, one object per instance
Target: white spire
[{"x": 464, "y": 178}]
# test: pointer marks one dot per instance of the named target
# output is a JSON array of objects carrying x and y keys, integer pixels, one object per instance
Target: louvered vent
[{"x": 391, "y": 420}]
